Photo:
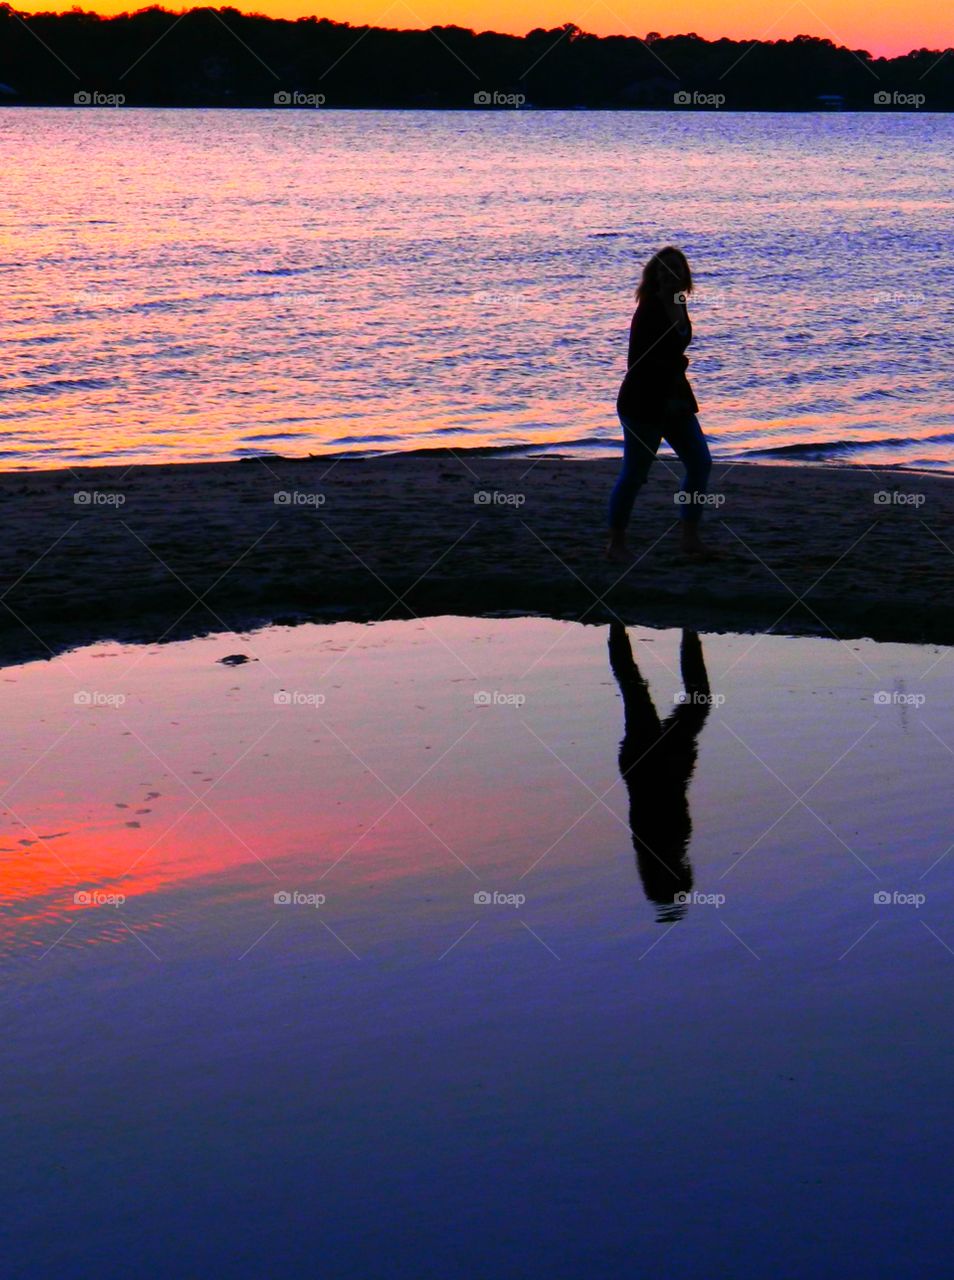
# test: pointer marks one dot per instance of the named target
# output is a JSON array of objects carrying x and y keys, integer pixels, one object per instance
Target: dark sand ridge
[{"x": 205, "y": 547}]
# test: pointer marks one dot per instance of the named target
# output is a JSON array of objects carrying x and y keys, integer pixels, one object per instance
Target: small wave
[
  {"x": 64, "y": 384},
  {"x": 121, "y": 454},
  {"x": 831, "y": 448},
  {"x": 362, "y": 440},
  {"x": 282, "y": 271},
  {"x": 158, "y": 304},
  {"x": 553, "y": 448},
  {"x": 275, "y": 435}
]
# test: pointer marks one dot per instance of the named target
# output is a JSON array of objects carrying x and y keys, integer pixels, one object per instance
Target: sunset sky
[{"x": 880, "y": 26}]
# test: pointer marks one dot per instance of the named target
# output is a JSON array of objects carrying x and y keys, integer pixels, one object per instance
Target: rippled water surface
[{"x": 198, "y": 284}]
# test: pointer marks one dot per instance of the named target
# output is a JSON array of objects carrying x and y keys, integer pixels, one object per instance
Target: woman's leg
[
  {"x": 640, "y": 442},
  {"x": 690, "y": 446}
]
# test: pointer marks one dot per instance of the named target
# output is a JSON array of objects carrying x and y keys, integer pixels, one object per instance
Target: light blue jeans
[{"x": 641, "y": 440}]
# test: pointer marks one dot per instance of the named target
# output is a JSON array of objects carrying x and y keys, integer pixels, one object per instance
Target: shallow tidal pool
[{"x": 477, "y": 947}]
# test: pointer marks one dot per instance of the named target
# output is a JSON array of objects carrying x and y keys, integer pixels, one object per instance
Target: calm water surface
[
  {"x": 200, "y": 284},
  {"x": 582, "y": 1076}
]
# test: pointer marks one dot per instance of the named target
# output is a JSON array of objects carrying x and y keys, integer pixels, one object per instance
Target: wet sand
[{"x": 163, "y": 552}]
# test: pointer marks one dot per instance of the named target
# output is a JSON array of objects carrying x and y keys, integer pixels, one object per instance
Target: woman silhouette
[
  {"x": 656, "y": 402},
  {"x": 656, "y": 761}
]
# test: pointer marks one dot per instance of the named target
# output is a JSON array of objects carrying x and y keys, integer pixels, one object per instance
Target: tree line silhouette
[{"x": 222, "y": 58}]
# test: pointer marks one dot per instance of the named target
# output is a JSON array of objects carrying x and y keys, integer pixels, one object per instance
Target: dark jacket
[{"x": 656, "y": 367}]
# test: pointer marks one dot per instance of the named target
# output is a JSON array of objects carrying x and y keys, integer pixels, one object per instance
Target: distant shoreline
[
  {"x": 167, "y": 551},
  {"x": 195, "y": 58},
  {"x": 488, "y": 111}
]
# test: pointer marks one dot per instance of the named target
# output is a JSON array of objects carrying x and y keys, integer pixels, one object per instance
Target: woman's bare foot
[
  {"x": 692, "y": 545},
  {"x": 617, "y": 552}
]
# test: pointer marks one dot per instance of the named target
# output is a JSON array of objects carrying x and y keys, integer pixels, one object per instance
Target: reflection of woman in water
[
  {"x": 656, "y": 402},
  {"x": 656, "y": 760}
]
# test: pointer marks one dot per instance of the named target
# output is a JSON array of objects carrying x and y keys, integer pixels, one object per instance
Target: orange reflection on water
[{"x": 190, "y": 784}]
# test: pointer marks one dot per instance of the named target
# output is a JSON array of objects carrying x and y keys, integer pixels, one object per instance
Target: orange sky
[{"x": 880, "y": 26}]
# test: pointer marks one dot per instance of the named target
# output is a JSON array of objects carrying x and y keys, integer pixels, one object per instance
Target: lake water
[
  {"x": 200, "y": 284},
  {"x": 343, "y": 961}
]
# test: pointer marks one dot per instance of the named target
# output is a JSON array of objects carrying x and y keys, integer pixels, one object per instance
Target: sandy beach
[
  {"x": 390, "y": 878},
  {"x": 161, "y": 552}
]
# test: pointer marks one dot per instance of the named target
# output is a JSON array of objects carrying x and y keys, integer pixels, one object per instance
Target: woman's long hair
[{"x": 658, "y": 268}]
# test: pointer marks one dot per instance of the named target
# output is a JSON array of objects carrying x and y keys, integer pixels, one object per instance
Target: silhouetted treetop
[{"x": 219, "y": 57}]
